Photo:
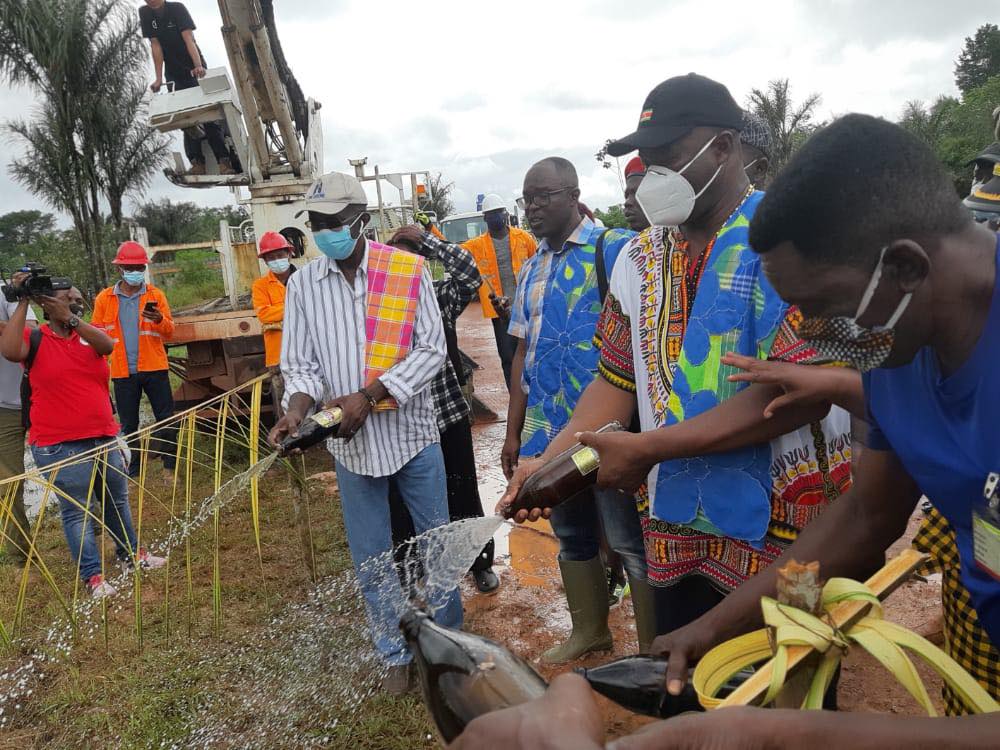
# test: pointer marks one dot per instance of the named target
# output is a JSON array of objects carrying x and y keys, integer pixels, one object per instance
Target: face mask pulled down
[
  {"x": 666, "y": 197},
  {"x": 337, "y": 244},
  {"x": 842, "y": 339}
]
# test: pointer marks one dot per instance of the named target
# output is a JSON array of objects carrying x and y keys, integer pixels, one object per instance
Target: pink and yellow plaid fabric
[{"x": 393, "y": 289}]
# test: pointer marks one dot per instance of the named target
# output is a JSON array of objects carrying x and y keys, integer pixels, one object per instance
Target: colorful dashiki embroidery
[
  {"x": 556, "y": 310},
  {"x": 646, "y": 314}
]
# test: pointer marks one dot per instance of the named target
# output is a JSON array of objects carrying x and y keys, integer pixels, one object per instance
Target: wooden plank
[{"x": 882, "y": 584}]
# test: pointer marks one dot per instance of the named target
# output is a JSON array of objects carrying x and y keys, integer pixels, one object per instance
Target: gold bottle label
[
  {"x": 327, "y": 417},
  {"x": 586, "y": 460}
]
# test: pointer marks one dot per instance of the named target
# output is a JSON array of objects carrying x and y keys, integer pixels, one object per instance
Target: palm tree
[
  {"x": 87, "y": 144},
  {"x": 790, "y": 125}
]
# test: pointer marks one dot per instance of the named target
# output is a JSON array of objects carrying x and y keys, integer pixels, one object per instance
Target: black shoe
[{"x": 486, "y": 580}]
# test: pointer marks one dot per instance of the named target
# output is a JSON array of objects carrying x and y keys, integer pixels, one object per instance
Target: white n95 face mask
[{"x": 666, "y": 197}]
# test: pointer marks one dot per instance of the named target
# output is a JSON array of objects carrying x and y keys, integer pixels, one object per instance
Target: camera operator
[
  {"x": 12, "y": 433},
  {"x": 70, "y": 414}
]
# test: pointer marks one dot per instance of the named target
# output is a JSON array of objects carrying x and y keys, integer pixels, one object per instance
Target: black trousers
[
  {"x": 128, "y": 394},
  {"x": 214, "y": 133},
  {"x": 463, "y": 492},
  {"x": 506, "y": 346}
]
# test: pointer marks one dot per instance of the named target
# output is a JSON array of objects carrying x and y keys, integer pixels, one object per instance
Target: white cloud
[{"x": 481, "y": 92}]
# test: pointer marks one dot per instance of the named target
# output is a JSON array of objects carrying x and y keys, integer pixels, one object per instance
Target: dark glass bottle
[
  {"x": 313, "y": 429},
  {"x": 638, "y": 683},
  {"x": 566, "y": 475},
  {"x": 463, "y": 675}
]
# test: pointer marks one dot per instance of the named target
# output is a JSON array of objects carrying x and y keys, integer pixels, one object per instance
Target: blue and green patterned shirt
[{"x": 555, "y": 310}]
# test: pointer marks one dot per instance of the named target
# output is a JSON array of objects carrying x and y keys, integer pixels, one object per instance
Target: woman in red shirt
[{"x": 70, "y": 414}]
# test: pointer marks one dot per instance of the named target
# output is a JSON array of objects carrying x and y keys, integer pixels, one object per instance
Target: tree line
[{"x": 956, "y": 128}]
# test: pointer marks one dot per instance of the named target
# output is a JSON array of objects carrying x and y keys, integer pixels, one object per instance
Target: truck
[{"x": 274, "y": 133}]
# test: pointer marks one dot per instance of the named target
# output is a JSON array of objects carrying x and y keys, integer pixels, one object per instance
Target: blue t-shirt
[{"x": 945, "y": 432}]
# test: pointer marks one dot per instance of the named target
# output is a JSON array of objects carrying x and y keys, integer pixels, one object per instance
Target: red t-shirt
[{"x": 69, "y": 391}]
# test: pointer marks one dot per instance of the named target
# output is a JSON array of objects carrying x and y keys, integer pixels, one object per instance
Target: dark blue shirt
[{"x": 946, "y": 432}]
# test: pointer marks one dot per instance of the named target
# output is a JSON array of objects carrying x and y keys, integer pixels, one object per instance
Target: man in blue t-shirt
[{"x": 862, "y": 231}]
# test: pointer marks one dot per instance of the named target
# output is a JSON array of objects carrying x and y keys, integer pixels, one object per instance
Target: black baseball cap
[
  {"x": 991, "y": 153},
  {"x": 677, "y": 106}
]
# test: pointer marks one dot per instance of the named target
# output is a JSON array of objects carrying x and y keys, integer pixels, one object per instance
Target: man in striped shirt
[{"x": 325, "y": 359}]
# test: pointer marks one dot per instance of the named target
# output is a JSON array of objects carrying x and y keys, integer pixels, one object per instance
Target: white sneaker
[
  {"x": 99, "y": 588},
  {"x": 150, "y": 562}
]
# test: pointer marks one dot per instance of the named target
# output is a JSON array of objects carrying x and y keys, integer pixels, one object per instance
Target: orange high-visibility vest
[
  {"x": 152, "y": 352},
  {"x": 269, "y": 304},
  {"x": 522, "y": 247}
]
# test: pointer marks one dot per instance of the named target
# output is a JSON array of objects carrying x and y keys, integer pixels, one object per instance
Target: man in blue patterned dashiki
[
  {"x": 725, "y": 489},
  {"x": 554, "y": 316}
]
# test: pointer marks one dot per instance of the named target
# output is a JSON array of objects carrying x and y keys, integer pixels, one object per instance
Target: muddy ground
[{"x": 528, "y": 614}]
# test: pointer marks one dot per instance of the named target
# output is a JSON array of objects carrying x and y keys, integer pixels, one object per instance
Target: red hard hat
[
  {"x": 271, "y": 241},
  {"x": 131, "y": 254}
]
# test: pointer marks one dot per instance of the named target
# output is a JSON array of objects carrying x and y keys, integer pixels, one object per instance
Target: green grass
[{"x": 124, "y": 696}]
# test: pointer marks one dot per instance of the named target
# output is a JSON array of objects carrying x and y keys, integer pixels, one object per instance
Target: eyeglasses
[
  {"x": 540, "y": 199},
  {"x": 318, "y": 222}
]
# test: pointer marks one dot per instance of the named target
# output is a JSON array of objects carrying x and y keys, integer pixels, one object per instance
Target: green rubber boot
[
  {"x": 645, "y": 614},
  {"x": 586, "y": 587}
]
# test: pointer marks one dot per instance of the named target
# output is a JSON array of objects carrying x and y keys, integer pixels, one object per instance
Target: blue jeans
[
  {"x": 365, "y": 504},
  {"x": 110, "y": 491},
  {"x": 577, "y": 524}
]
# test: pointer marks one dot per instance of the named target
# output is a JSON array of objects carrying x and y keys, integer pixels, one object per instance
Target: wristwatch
[{"x": 73, "y": 322}]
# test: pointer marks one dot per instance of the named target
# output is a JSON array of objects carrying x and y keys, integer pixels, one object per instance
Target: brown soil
[{"x": 529, "y": 615}]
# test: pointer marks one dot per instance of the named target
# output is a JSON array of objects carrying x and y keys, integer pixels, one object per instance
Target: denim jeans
[
  {"x": 110, "y": 490},
  {"x": 577, "y": 524},
  {"x": 365, "y": 504}
]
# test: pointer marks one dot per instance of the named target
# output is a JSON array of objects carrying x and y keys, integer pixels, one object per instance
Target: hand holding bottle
[
  {"x": 355, "y": 408},
  {"x": 623, "y": 465},
  {"x": 525, "y": 468},
  {"x": 565, "y": 718},
  {"x": 287, "y": 425}
]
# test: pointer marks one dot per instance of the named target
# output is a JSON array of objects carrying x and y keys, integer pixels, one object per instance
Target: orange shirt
[
  {"x": 522, "y": 247},
  {"x": 152, "y": 352},
  {"x": 269, "y": 304}
]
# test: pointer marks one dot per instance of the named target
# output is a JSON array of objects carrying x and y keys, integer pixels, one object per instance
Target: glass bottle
[
  {"x": 566, "y": 475},
  {"x": 313, "y": 429},
  {"x": 638, "y": 683},
  {"x": 463, "y": 675}
]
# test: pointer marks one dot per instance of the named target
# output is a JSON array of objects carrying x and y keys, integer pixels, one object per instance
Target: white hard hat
[
  {"x": 492, "y": 202},
  {"x": 333, "y": 192}
]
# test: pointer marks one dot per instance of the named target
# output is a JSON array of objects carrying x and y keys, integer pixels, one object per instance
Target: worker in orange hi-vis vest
[
  {"x": 500, "y": 252},
  {"x": 135, "y": 314},
  {"x": 269, "y": 304}
]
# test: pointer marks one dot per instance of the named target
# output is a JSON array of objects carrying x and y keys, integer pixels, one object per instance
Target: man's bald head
[{"x": 563, "y": 169}]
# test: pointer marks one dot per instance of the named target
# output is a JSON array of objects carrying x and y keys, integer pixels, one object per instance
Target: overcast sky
[{"x": 479, "y": 91}]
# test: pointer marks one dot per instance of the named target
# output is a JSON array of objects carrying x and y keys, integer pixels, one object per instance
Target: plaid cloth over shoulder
[{"x": 393, "y": 290}]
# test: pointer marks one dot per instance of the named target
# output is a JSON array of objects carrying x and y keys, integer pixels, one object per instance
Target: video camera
[{"x": 38, "y": 284}]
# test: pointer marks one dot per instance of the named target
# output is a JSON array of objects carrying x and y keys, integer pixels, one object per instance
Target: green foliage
[
  {"x": 440, "y": 201},
  {"x": 87, "y": 146},
  {"x": 979, "y": 60},
  {"x": 169, "y": 223},
  {"x": 956, "y": 131},
  {"x": 790, "y": 125},
  {"x": 195, "y": 281},
  {"x": 613, "y": 218}
]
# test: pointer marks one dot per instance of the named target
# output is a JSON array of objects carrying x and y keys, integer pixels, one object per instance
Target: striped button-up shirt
[{"x": 323, "y": 356}]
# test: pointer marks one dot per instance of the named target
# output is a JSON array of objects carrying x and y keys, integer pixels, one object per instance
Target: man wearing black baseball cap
[
  {"x": 684, "y": 294},
  {"x": 982, "y": 165}
]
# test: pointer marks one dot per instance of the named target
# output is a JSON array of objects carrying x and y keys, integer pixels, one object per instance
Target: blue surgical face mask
[
  {"x": 280, "y": 265},
  {"x": 336, "y": 244},
  {"x": 135, "y": 278}
]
